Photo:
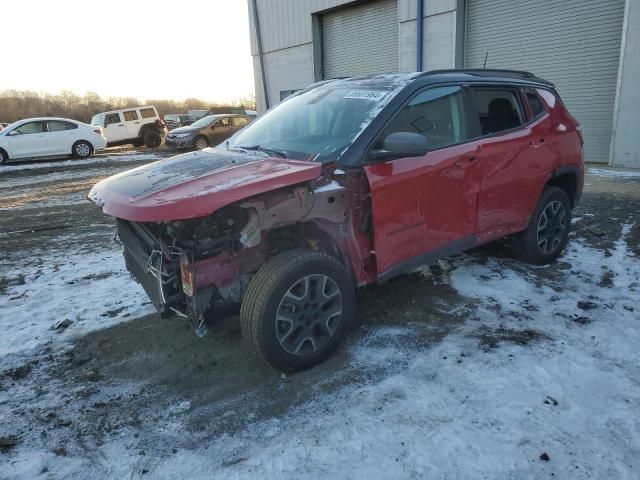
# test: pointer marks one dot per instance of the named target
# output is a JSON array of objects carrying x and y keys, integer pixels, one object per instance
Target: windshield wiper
[{"x": 270, "y": 151}]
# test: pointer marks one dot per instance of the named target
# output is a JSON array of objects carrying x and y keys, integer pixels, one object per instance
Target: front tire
[
  {"x": 200, "y": 142},
  {"x": 82, "y": 149},
  {"x": 297, "y": 309},
  {"x": 548, "y": 229}
]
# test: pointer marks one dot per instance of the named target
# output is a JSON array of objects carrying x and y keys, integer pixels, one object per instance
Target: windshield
[
  {"x": 320, "y": 123},
  {"x": 96, "y": 120},
  {"x": 204, "y": 121}
]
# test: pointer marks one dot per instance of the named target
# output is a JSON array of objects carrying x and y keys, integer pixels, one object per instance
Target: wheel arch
[{"x": 566, "y": 178}]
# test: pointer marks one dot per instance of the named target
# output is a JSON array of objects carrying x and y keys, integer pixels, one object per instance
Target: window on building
[
  {"x": 147, "y": 112},
  {"x": 436, "y": 113},
  {"x": 498, "y": 109},
  {"x": 130, "y": 115},
  {"x": 111, "y": 118}
]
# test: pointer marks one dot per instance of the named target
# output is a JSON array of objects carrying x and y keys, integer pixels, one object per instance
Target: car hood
[
  {"x": 195, "y": 184},
  {"x": 183, "y": 130}
]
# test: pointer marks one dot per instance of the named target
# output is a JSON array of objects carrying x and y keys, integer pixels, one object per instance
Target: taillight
[
  {"x": 98, "y": 131},
  {"x": 579, "y": 130},
  {"x": 186, "y": 273}
]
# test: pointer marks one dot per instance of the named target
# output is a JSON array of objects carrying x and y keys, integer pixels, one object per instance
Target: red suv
[{"x": 347, "y": 183}]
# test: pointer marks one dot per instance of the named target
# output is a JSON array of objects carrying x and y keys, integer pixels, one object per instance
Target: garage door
[
  {"x": 575, "y": 44},
  {"x": 361, "y": 40}
]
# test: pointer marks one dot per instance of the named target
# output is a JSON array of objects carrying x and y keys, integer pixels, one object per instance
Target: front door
[
  {"x": 29, "y": 140},
  {"x": 114, "y": 128},
  {"x": 220, "y": 131},
  {"x": 425, "y": 206}
]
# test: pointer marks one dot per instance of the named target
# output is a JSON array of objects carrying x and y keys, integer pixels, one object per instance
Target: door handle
[{"x": 467, "y": 160}]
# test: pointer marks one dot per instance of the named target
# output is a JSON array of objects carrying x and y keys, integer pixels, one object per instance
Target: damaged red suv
[{"x": 347, "y": 183}]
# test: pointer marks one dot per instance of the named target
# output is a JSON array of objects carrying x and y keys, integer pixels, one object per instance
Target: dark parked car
[
  {"x": 208, "y": 131},
  {"x": 348, "y": 183},
  {"x": 177, "y": 120}
]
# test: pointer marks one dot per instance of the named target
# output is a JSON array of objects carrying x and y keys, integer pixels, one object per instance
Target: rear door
[
  {"x": 514, "y": 156},
  {"x": 425, "y": 206},
  {"x": 29, "y": 140},
  {"x": 60, "y": 136}
]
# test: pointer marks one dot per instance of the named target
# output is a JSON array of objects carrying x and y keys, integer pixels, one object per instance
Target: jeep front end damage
[{"x": 198, "y": 267}]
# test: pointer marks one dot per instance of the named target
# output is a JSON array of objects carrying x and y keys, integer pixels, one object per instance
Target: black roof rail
[{"x": 489, "y": 72}]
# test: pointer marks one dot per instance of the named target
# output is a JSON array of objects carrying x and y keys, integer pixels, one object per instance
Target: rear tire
[
  {"x": 200, "y": 142},
  {"x": 3, "y": 156},
  {"x": 297, "y": 309},
  {"x": 152, "y": 139},
  {"x": 548, "y": 229},
  {"x": 82, "y": 149}
]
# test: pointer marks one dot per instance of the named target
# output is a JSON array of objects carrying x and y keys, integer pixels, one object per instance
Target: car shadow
[{"x": 151, "y": 361}]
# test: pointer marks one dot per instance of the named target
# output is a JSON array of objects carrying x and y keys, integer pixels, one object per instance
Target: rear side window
[
  {"x": 437, "y": 113},
  {"x": 130, "y": 115},
  {"x": 498, "y": 109},
  {"x": 59, "y": 126},
  {"x": 535, "y": 104},
  {"x": 147, "y": 112},
  {"x": 239, "y": 121},
  {"x": 112, "y": 118}
]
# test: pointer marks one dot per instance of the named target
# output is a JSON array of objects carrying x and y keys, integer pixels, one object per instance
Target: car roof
[
  {"x": 42, "y": 119},
  {"x": 441, "y": 76}
]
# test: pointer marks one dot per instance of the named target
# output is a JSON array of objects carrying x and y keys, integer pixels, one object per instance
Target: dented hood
[{"x": 195, "y": 184}]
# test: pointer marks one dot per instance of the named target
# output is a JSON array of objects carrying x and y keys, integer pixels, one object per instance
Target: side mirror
[
  {"x": 106, "y": 124},
  {"x": 401, "y": 144}
]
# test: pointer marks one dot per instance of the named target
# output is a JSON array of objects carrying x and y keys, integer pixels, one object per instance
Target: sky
[{"x": 196, "y": 48}]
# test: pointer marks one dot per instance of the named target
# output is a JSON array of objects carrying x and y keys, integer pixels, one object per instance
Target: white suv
[{"x": 137, "y": 126}]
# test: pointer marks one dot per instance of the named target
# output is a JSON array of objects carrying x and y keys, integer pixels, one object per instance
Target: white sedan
[{"x": 44, "y": 137}]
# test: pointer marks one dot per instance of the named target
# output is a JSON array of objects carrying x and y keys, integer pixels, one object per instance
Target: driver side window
[
  {"x": 437, "y": 113},
  {"x": 111, "y": 118}
]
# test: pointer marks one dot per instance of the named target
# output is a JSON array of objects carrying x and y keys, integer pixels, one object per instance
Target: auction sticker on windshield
[{"x": 366, "y": 94}]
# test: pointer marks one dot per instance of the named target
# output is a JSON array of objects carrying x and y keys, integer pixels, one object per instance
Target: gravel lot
[{"x": 478, "y": 367}]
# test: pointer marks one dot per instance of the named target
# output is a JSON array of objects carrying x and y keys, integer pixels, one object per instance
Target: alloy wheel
[
  {"x": 83, "y": 150},
  {"x": 309, "y": 314},
  {"x": 551, "y": 227},
  {"x": 201, "y": 143}
]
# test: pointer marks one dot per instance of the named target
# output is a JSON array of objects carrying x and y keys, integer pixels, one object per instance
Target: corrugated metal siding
[
  {"x": 286, "y": 23},
  {"x": 575, "y": 44},
  {"x": 361, "y": 40}
]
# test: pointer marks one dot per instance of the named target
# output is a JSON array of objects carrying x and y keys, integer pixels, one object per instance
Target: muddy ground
[{"x": 67, "y": 400}]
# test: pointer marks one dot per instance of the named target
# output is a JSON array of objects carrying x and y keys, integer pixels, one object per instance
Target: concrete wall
[
  {"x": 625, "y": 143},
  {"x": 288, "y": 41}
]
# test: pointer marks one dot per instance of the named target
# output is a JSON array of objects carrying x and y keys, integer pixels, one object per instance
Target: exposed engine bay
[{"x": 193, "y": 268}]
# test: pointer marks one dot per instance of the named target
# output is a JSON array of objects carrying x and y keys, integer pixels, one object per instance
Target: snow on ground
[
  {"x": 459, "y": 411},
  {"x": 544, "y": 366},
  {"x": 613, "y": 172},
  {"x": 127, "y": 156},
  {"x": 92, "y": 289}
]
